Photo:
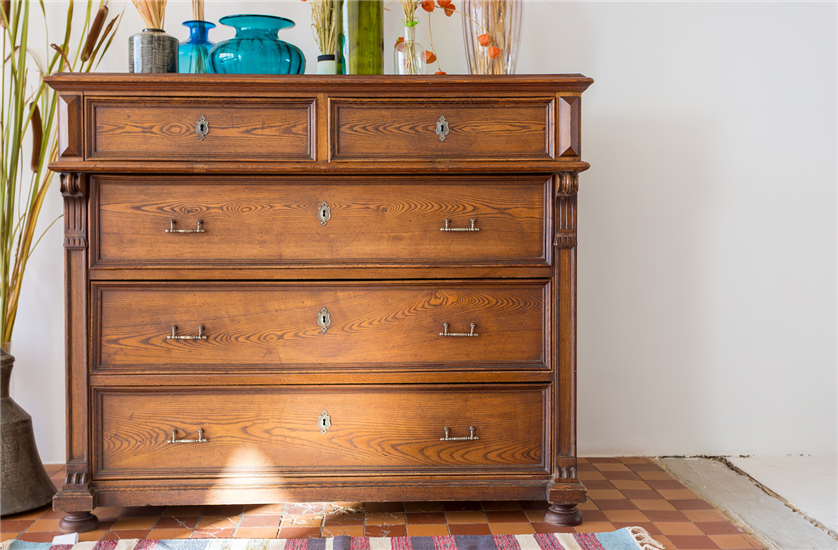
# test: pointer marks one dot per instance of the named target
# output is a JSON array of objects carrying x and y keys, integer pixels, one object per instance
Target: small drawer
[
  {"x": 407, "y": 130},
  {"x": 177, "y": 328},
  {"x": 203, "y": 129},
  {"x": 139, "y": 432},
  {"x": 210, "y": 222}
]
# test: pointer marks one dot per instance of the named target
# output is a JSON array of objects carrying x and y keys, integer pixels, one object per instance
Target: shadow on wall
[{"x": 642, "y": 205}]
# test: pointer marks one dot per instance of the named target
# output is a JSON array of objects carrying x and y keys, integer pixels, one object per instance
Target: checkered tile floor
[{"x": 622, "y": 492}]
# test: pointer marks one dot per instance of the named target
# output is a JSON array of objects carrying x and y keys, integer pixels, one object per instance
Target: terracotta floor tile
[
  {"x": 109, "y": 512},
  {"x": 631, "y": 476},
  {"x": 719, "y": 528},
  {"x": 623, "y": 504},
  {"x": 625, "y": 516},
  {"x": 126, "y": 534},
  {"x": 594, "y": 527},
  {"x": 467, "y": 517},
  {"x": 692, "y": 542},
  {"x": 8, "y": 536},
  {"x": 654, "y": 475},
  {"x": 31, "y": 514},
  {"x": 40, "y": 536},
  {"x": 612, "y": 467},
  {"x": 596, "y": 516},
  {"x": 385, "y": 531},
  {"x": 634, "y": 484},
  {"x": 299, "y": 533},
  {"x": 665, "y": 515},
  {"x": 678, "y": 528},
  {"x": 534, "y": 516},
  {"x": 213, "y": 533},
  {"x": 590, "y": 505},
  {"x": 753, "y": 542},
  {"x": 264, "y": 509},
  {"x": 427, "y": 530},
  {"x": 295, "y": 521},
  {"x": 16, "y": 526},
  {"x": 375, "y": 507},
  {"x": 469, "y": 529},
  {"x": 260, "y": 521},
  {"x": 217, "y": 522},
  {"x": 543, "y": 528},
  {"x": 304, "y": 508},
  {"x": 425, "y": 518},
  {"x": 334, "y": 520},
  {"x": 134, "y": 523},
  {"x": 646, "y": 467},
  {"x": 224, "y": 510},
  {"x": 654, "y": 504},
  {"x": 705, "y": 515},
  {"x": 162, "y": 534},
  {"x": 143, "y": 511},
  {"x": 462, "y": 506},
  {"x": 384, "y": 518},
  {"x": 422, "y": 507},
  {"x": 182, "y": 511},
  {"x": 522, "y": 528},
  {"x": 507, "y": 517},
  {"x": 643, "y": 494},
  {"x": 582, "y": 460},
  {"x": 53, "y": 514},
  {"x": 585, "y": 476},
  {"x": 731, "y": 542},
  {"x": 500, "y": 505},
  {"x": 256, "y": 532},
  {"x": 534, "y": 504},
  {"x": 665, "y": 484},
  {"x": 650, "y": 527},
  {"x": 349, "y": 530},
  {"x": 604, "y": 460},
  {"x": 175, "y": 523},
  {"x": 92, "y": 536},
  {"x": 677, "y": 494},
  {"x": 607, "y": 494},
  {"x": 599, "y": 484},
  {"x": 634, "y": 460},
  {"x": 43, "y": 525},
  {"x": 692, "y": 504},
  {"x": 585, "y": 467},
  {"x": 667, "y": 544}
]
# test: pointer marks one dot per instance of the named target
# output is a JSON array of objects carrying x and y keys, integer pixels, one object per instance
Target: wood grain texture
[
  {"x": 391, "y": 129},
  {"x": 384, "y": 325},
  {"x": 164, "y": 129},
  {"x": 276, "y": 430},
  {"x": 275, "y": 222},
  {"x": 569, "y": 114},
  {"x": 69, "y": 126}
]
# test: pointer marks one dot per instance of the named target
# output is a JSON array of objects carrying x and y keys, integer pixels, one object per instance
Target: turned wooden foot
[
  {"x": 78, "y": 522},
  {"x": 564, "y": 514}
]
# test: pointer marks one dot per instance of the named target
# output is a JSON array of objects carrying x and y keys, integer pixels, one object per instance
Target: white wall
[{"x": 707, "y": 260}]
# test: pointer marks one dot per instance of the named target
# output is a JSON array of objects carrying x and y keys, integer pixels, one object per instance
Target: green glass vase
[{"x": 360, "y": 37}]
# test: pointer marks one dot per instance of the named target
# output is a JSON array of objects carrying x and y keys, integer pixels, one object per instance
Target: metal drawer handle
[
  {"x": 200, "y": 439},
  {"x": 446, "y": 333},
  {"x": 174, "y": 335},
  {"x": 173, "y": 230},
  {"x": 471, "y": 436},
  {"x": 447, "y": 221}
]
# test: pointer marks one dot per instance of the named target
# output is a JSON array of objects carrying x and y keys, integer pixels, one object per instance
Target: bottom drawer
[{"x": 324, "y": 430}]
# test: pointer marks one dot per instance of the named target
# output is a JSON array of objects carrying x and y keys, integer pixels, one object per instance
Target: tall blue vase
[
  {"x": 256, "y": 49},
  {"x": 194, "y": 53}
]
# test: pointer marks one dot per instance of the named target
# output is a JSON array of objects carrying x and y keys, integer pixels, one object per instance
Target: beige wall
[{"x": 707, "y": 263}]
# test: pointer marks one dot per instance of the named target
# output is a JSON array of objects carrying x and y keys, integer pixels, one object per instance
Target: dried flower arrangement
[
  {"x": 30, "y": 106},
  {"x": 198, "y": 10},
  {"x": 153, "y": 12},
  {"x": 409, "y": 7},
  {"x": 324, "y": 18}
]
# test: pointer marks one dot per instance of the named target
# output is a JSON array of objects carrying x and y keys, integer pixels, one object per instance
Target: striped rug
[{"x": 629, "y": 538}]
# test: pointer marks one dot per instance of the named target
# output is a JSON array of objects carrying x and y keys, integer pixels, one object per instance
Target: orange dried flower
[
  {"x": 429, "y": 56},
  {"x": 428, "y": 5},
  {"x": 444, "y": 3},
  {"x": 484, "y": 39},
  {"x": 449, "y": 11},
  {"x": 494, "y": 51},
  {"x": 440, "y": 72},
  {"x": 399, "y": 40}
]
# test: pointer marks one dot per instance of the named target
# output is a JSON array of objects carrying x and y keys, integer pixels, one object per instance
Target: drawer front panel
[
  {"x": 384, "y": 325},
  {"x": 265, "y": 222},
  {"x": 235, "y": 130},
  {"x": 414, "y": 130},
  {"x": 366, "y": 429}
]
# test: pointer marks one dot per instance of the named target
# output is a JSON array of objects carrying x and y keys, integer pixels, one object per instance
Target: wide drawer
[
  {"x": 324, "y": 325},
  {"x": 442, "y": 129},
  {"x": 296, "y": 221},
  {"x": 200, "y": 130},
  {"x": 318, "y": 430}
]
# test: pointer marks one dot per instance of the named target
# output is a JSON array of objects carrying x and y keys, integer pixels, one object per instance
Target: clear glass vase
[
  {"x": 501, "y": 20},
  {"x": 409, "y": 54},
  {"x": 194, "y": 53}
]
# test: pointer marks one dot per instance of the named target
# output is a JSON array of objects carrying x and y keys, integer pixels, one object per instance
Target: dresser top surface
[{"x": 227, "y": 84}]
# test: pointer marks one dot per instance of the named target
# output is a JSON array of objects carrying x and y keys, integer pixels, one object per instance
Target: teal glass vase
[
  {"x": 256, "y": 49},
  {"x": 194, "y": 53}
]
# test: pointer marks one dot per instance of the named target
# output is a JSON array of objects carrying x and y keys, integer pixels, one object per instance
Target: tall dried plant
[
  {"x": 324, "y": 20},
  {"x": 153, "y": 12},
  {"x": 28, "y": 106},
  {"x": 198, "y": 10}
]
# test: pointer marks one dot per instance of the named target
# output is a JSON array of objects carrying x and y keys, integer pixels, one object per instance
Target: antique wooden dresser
[{"x": 319, "y": 288}]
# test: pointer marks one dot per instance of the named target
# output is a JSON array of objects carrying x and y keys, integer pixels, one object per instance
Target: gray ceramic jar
[{"x": 152, "y": 51}]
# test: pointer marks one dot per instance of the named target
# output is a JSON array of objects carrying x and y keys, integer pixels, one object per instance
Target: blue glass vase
[
  {"x": 194, "y": 53},
  {"x": 256, "y": 49}
]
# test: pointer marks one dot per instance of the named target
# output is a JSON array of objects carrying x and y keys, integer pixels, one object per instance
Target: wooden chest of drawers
[{"x": 319, "y": 288}]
